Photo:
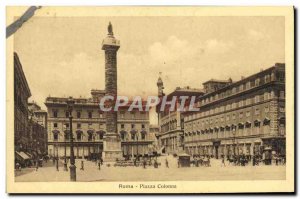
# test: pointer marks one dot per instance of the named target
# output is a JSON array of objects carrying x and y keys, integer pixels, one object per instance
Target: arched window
[
  {"x": 143, "y": 135},
  {"x": 133, "y": 134},
  {"x": 55, "y": 135},
  {"x": 90, "y": 136},
  {"x": 123, "y": 135},
  {"x": 101, "y": 134},
  {"x": 78, "y": 135},
  {"x": 67, "y": 135}
]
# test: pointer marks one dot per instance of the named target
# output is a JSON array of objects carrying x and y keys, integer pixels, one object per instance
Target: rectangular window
[
  {"x": 233, "y": 116},
  {"x": 122, "y": 115},
  {"x": 227, "y": 118},
  {"x": 248, "y": 114},
  {"x": 55, "y": 125},
  {"x": 67, "y": 113},
  {"x": 67, "y": 125},
  {"x": 248, "y": 85},
  {"x": 281, "y": 94},
  {"x": 241, "y": 115},
  {"x": 256, "y": 99},
  {"x": 266, "y": 109},
  {"x": 132, "y": 126},
  {"x": 248, "y": 101},
  {"x": 267, "y": 78},
  {"x": 241, "y": 103},
  {"x": 257, "y": 111},
  {"x": 233, "y": 105},
  {"x": 54, "y": 113},
  {"x": 241, "y": 87},
  {"x": 143, "y": 126},
  {"x": 122, "y": 126},
  {"x": 257, "y": 81},
  {"x": 78, "y": 114},
  {"x": 282, "y": 109},
  {"x": 90, "y": 114},
  {"x": 281, "y": 76},
  {"x": 78, "y": 125},
  {"x": 233, "y": 90}
]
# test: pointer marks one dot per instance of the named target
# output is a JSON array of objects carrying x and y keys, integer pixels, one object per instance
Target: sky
[{"x": 62, "y": 56}]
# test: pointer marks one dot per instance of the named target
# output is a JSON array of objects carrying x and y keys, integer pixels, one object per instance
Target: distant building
[
  {"x": 243, "y": 117},
  {"x": 89, "y": 128},
  {"x": 38, "y": 129},
  {"x": 21, "y": 95},
  {"x": 170, "y": 137}
]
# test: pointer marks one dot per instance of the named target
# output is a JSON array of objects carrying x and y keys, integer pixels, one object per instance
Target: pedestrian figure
[
  {"x": 18, "y": 167},
  {"x": 223, "y": 161},
  {"x": 167, "y": 163},
  {"x": 57, "y": 169},
  {"x": 99, "y": 165},
  {"x": 178, "y": 163},
  {"x": 254, "y": 161},
  {"x": 144, "y": 163},
  {"x": 155, "y": 164},
  {"x": 37, "y": 166},
  {"x": 134, "y": 162},
  {"x": 101, "y": 160},
  {"x": 82, "y": 165}
]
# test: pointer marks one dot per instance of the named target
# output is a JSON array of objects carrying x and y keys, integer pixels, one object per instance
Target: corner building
[
  {"x": 243, "y": 117},
  {"x": 89, "y": 128},
  {"x": 170, "y": 137}
]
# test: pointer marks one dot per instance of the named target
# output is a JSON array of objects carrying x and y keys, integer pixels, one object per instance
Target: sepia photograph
[{"x": 150, "y": 99}]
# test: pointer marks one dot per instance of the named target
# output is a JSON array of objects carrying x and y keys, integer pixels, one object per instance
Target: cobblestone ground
[{"x": 215, "y": 172}]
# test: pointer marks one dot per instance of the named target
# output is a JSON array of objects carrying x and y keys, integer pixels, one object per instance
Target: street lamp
[
  {"x": 70, "y": 104},
  {"x": 65, "y": 162},
  {"x": 137, "y": 146},
  {"x": 234, "y": 145},
  {"x": 57, "y": 168}
]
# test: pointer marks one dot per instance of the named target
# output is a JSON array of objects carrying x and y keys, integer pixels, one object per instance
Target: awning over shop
[
  {"x": 29, "y": 155},
  {"x": 22, "y": 155},
  {"x": 248, "y": 122},
  {"x": 266, "y": 119},
  {"x": 256, "y": 121}
]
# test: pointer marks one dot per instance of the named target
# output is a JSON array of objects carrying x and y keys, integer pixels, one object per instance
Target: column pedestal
[{"x": 111, "y": 148}]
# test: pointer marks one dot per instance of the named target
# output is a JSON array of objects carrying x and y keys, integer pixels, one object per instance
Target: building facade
[
  {"x": 89, "y": 128},
  {"x": 243, "y": 117},
  {"x": 21, "y": 94},
  {"x": 171, "y": 134},
  {"x": 38, "y": 129}
]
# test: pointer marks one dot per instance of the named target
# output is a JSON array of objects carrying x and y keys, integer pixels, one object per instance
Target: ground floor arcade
[
  {"x": 88, "y": 149},
  {"x": 247, "y": 146}
]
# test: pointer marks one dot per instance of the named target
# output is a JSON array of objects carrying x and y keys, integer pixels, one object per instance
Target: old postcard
[{"x": 150, "y": 99}]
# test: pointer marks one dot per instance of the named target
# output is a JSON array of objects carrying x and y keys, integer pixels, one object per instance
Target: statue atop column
[{"x": 110, "y": 29}]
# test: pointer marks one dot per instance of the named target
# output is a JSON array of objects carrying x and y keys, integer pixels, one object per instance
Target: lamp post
[
  {"x": 57, "y": 168},
  {"x": 137, "y": 146},
  {"x": 65, "y": 162},
  {"x": 70, "y": 104},
  {"x": 234, "y": 145}
]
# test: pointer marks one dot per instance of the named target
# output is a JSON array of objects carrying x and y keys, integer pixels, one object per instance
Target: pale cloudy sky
[{"x": 62, "y": 56}]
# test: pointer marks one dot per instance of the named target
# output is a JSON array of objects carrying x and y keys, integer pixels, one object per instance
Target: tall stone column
[{"x": 111, "y": 140}]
